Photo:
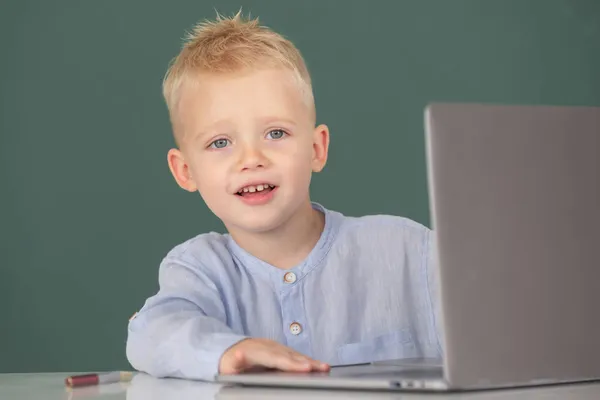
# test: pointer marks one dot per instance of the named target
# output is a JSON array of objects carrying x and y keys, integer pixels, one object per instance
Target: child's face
[{"x": 249, "y": 146}]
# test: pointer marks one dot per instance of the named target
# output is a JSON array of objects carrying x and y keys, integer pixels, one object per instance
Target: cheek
[
  {"x": 208, "y": 176},
  {"x": 302, "y": 151},
  {"x": 299, "y": 166},
  {"x": 295, "y": 159}
]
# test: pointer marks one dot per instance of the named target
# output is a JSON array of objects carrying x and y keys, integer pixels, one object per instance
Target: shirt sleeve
[
  {"x": 181, "y": 332},
  {"x": 433, "y": 291}
]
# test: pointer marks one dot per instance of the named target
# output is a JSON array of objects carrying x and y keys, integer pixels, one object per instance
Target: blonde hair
[{"x": 229, "y": 45}]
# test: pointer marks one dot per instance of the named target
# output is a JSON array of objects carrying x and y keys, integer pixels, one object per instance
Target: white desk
[{"x": 142, "y": 387}]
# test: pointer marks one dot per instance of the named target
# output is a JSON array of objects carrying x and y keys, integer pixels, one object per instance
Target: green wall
[{"x": 88, "y": 207}]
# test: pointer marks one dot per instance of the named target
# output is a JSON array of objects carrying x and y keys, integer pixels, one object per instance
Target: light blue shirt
[{"x": 366, "y": 292}]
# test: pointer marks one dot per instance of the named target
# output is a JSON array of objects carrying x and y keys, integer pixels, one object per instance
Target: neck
[{"x": 289, "y": 244}]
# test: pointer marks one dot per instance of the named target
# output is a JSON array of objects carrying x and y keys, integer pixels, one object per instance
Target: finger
[
  {"x": 290, "y": 363},
  {"x": 324, "y": 367},
  {"x": 284, "y": 361},
  {"x": 315, "y": 364},
  {"x": 255, "y": 368},
  {"x": 306, "y": 360},
  {"x": 276, "y": 357}
]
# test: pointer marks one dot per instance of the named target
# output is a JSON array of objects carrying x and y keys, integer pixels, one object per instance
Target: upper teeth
[{"x": 256, "y": 188}]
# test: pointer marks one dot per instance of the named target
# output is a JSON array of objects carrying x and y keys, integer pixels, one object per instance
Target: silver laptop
[{"x": 515, "y": 206}]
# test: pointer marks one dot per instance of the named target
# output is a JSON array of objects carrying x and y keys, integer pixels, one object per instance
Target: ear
[
  {"x": 181, "y": 170},
  {"x": 320, "y": 147}
]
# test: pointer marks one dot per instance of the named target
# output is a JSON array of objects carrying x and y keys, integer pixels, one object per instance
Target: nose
[{"x": 252, "y": 157}]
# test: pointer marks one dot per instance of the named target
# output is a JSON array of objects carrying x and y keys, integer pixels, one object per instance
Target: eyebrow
[
  {"x": 270, "y": 120},
  {"x": 210, "y": 128}
]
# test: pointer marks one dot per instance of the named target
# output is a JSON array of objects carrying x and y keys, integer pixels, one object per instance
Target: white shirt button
[
  {"x": 295, "y": 328},
  {"x": 289, "y": 277}
]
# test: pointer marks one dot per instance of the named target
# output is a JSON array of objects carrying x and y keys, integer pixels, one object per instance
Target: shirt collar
[{"x": 314, "y": 259}]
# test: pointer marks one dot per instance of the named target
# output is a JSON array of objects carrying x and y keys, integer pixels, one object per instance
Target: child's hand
[{"x": 260, "y": 354}]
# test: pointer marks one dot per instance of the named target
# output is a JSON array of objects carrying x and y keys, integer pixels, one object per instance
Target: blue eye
[
  {"x": 219, "y": 143},
  {"x": 276, "y": 134}
]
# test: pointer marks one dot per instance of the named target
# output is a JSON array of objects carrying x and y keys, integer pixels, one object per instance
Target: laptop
[{"x": 515, "y": 207}]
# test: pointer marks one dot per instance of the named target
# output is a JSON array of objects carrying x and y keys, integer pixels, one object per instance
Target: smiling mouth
[{"x": 255, "y": 189}]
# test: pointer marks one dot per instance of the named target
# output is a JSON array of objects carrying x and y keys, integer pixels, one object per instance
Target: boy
[{"x": 292, "y": 285}]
